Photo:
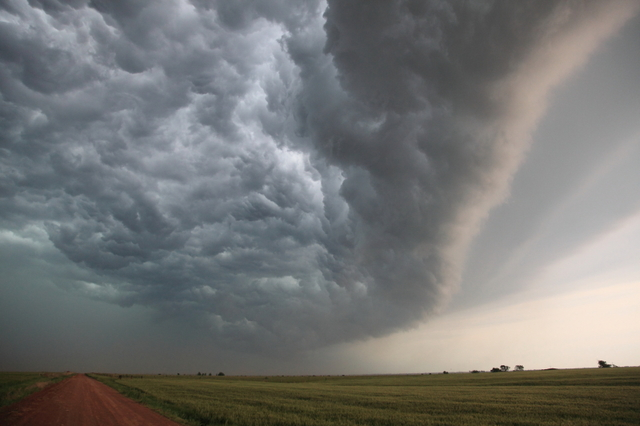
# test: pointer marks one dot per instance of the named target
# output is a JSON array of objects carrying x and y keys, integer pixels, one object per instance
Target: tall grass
[{"x": 567, "y": 397}]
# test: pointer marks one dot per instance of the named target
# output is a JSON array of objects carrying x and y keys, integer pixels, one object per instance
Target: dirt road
[{"x": 80, "y": 401}]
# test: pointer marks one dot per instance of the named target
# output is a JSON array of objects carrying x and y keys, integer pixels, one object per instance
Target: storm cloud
[{"x": 283, "y": 175}]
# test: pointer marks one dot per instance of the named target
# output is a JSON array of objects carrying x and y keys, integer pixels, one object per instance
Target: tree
[
  {"x": 221, "y": 374},
  {"x": 495, "y": 370},
  {"x": 603, "y": 364},
  {"x": 504, "y": 368},
  {"x": 519, "y": 368}
]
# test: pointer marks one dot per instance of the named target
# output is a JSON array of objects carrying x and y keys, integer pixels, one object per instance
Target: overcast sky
[{"x": 279, "y": 187}]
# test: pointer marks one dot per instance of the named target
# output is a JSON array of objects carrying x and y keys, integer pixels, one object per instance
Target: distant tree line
[
  {"x": 504, "y": 368},
  {"x": 205, "y": 374}
]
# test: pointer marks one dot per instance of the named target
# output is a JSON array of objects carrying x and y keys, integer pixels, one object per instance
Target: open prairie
[{"x": 608, "y": 396}]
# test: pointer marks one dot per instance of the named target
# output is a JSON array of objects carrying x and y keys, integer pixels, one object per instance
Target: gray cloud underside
[{"x": 286, "y": 176}]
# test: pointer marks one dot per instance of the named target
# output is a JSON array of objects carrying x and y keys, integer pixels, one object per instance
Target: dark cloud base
[{"x": 285, "y": 177}]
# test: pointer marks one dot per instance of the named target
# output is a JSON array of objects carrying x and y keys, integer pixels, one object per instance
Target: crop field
[
  {"x": 15, "y": 386},
  {"x": 608, "y": 396}
]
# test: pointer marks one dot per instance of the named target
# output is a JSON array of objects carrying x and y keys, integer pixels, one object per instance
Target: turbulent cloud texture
[{"x": 285, "y": 174}]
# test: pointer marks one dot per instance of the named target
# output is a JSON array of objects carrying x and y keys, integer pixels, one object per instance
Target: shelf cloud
[{"x": 285, "y": 177}]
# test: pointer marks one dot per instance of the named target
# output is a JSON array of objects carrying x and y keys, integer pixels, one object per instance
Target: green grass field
[
  {"x": 559, "y": 397},
  {"x": 15, "y": 386}
]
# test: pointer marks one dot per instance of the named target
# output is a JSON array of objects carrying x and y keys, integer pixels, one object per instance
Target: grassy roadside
[
  {"x": 167, "y": 408},
  {"x": 16, "y": 386}
]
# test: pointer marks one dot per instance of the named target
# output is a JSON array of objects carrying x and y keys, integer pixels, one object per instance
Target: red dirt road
[{"x": 80, "y": 401}]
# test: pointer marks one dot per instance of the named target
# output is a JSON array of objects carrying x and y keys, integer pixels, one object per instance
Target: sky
[{"x": 319, "y": 187}]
